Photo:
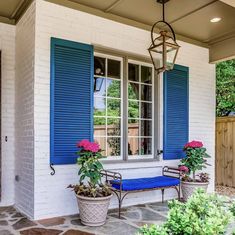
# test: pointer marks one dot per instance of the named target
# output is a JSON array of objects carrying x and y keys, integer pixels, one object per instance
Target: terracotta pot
[
  {"x": 93, "y": 211},
  {"x": 189, "y": 187}
]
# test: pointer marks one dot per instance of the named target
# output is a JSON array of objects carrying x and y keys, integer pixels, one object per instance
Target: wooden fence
[{"x": 225, "y": 151}]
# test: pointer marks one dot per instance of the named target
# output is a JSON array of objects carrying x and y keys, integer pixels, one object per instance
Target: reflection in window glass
[
  {"x": 146, "y": 128},
  {"x": 107, "y": 106},
  {"x": 133, "y": 127},
  {"x": 146, "y": 74},
  {"x": 133, "y": 91},
  {"x": 146, "y": 146},
  {"x": 102, "y": 142},
  {"x": 99, "y": 126},
  {"x": 114, "y": 146},
  {"x": 113, "y": 88},
  {"x": 113, "y": 107},
  {"x": 114, "y": 68},
  {"x": 99, "y": 66},
  {"x": 146, "y": 93},
  {"x": 114, "y": 126},
  {"x": 133, "y": 72},
  {"x": 133, "y": 146},
  {"x": 133, "y": 109},
  {"x": 146, "y": 110},
  {"x": 99, "y": 106},
  {"x": 99, "y": 86},
  {"x": 140, "y": 108}
]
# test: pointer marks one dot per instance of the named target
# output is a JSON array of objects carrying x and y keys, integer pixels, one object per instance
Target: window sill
[{"x": 137, "y": 164}]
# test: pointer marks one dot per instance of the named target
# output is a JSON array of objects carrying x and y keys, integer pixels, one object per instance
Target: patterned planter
[
  {"x": 189, "y": 187},
  {"x": 93, "y": 211}
]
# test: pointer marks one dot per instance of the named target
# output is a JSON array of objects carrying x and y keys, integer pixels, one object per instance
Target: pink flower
[
  {"x": 93, "y": 147},
  {"x": 194, "y": 144},
  {"x": 89, "y": 146},
  {"x": 83, "y": 143},
  {"x": 184, "y": 168}
]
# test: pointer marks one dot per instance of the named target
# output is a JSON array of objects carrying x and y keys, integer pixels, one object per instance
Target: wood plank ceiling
[{"x": 189, "y": 18}]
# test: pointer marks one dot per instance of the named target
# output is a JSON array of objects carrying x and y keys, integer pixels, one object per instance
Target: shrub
[{"x": 202, "y": 214}]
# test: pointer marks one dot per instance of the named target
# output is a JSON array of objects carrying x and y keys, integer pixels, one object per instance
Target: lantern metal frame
[{"x": 164, "y": 36}]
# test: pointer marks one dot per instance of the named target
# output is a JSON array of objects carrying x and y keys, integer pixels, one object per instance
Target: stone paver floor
[{"x": 13, "y": 222}]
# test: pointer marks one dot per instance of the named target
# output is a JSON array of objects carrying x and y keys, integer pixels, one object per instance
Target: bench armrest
[
  {"x": 171, "y": 171},
  {"x": 110, "y": 175}
]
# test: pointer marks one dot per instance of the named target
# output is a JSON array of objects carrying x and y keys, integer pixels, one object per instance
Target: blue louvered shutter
[
  {"x": 176, "y": 112},
  {"x": 71, "y": 106}
]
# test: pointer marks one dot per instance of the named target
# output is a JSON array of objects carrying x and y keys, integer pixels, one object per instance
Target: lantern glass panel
[{"x": 156, "y": 53}]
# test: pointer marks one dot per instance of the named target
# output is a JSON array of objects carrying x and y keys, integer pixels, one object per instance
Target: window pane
[
  {"x": 133, "y": 91},
  {"x": 146, "y": 74},
  {"x": 102, "y": 142},
  {"x": 113, "y": 88},
  {"x": 99, "y": 66},
  {"x": 99, "y": 86},
  {"x": 114, "y": 126},
  {"x": 133, "y": 109},
  {"x": 114, "y": 67},
  {"x": 146, "y": 146},
  {"x": 113, "y": 106},
  {"x": 133, "y": 72},
  {"x": 99, "y": 126},
  {"x": 146, "y": 110},
  {"x": 133, "y": 146},
  {"x": 146, "y": 92},
  {"x": 146, "y": 128},
  {"x": 114, "y": 146},
  {"x": 133, "y": 127},
  {"x": 99, "y": 106}
]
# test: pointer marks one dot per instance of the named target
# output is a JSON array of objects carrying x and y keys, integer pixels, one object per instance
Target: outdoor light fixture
[
  {"x": 98, "y": 81},
  {"x": 164, "y": 48}
]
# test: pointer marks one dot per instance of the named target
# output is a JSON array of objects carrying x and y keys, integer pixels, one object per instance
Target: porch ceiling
[{"x": 190, "y": 19}]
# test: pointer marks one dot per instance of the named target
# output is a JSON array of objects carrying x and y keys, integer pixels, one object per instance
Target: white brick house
[{"x": 26, "y": 181}]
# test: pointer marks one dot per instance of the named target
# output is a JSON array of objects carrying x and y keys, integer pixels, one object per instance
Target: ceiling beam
[
  {"x": 223, "y": 50},
  {"x": 229, "y": 2},
  {"x": 80, "y": 7},
  {"x": 191, "y": 12},
  {"x": 113, "y": 5}
]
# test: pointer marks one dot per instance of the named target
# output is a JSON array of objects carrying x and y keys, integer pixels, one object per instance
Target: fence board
[{"x": 225, "y": 151}]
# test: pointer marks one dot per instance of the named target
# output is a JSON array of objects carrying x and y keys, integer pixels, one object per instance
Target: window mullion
[{"x": 125, "y": 109}]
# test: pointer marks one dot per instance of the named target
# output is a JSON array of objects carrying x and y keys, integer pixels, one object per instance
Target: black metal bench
[{"x": 122, "y": 187}]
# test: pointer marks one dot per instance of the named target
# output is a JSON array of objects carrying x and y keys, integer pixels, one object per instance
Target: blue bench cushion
[{"x": 145, "y": 183}]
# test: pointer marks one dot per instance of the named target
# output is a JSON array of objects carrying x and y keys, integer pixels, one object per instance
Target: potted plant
[
  {"x": 195, "y": 160},
  {"x": 93, "y": 196}
]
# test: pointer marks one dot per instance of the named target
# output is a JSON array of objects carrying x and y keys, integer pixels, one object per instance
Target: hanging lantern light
[{"x": 164, "y": 48}]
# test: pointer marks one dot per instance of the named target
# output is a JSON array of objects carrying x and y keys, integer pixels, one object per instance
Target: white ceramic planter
[
  {"x": 189, "y": 187},
  {"x": 93, "y": 211}
]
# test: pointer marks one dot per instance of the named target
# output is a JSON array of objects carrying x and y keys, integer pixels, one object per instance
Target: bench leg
[{"x": 162, "y": 194}]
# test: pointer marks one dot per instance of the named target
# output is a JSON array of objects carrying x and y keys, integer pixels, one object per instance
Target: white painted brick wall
[
  {"x": 51, "y": 196},
  {"x": 24, "y": 154},
  {"x": 7, "y": 47}
]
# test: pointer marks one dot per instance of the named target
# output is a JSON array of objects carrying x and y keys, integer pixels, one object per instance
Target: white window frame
[
  {"x": 140, "y": 63},
  {"x": 106, "y": 57}
]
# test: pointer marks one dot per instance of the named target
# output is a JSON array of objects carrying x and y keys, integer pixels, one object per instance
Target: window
[
  {"x": 140, "y": 110},
  {"x": 123, "y": 127},
  {"x": 108, "y": 105}
]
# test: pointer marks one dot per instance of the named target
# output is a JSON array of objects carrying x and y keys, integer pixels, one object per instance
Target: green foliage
[
  {"x": 195, "y": 159},
  {"x": 202, "y": 214},
  {"x": 90, "y": 167},
  {"x": 225, "y": 88},
  {"x": 153, "y": 230}
]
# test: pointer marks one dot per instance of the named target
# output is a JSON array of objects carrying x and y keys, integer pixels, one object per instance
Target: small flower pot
[
  {"x": 189, "y": 187},
  {"x": 93, "y": 211}
]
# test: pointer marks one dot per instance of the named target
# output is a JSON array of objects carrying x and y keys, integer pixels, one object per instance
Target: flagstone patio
[{"x": 13, "y": 222}]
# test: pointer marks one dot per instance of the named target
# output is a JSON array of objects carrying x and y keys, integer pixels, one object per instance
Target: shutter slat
[
  {"x": 175, "y": 112},
  {"x": 71, "y": 98}
]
